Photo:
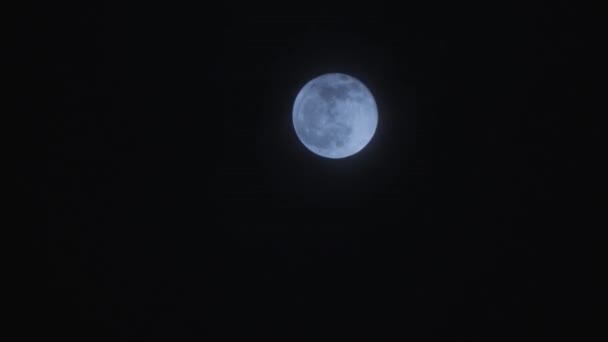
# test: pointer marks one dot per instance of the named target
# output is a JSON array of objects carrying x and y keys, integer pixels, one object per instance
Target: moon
[{"x": 335, "y": 115}]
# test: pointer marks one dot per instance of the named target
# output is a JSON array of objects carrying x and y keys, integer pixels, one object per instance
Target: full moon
[{"x": 335, "y": 115}]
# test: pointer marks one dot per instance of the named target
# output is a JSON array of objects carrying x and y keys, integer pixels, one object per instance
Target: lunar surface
[{"x": 335, "y": 115}]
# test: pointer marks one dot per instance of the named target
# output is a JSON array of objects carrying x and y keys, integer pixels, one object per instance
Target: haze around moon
[{"x": 335, "y": 115}]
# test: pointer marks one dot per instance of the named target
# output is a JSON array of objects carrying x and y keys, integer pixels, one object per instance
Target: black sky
[{"x": 173, "y": 201}]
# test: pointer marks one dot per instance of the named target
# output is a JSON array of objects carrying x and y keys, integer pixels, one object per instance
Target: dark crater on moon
[
  {"x": 331, "y": 92},
  {"x": 329, "y": 87}
]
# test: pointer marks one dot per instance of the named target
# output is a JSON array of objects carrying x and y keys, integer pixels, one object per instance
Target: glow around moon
[{"x": 335, "y": 115}]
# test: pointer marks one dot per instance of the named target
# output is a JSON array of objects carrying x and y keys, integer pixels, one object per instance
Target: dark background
[{"x": 171, "y": 199}]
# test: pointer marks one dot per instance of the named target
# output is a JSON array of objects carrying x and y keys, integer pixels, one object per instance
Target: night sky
[{"x": 172, "y": 200}]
